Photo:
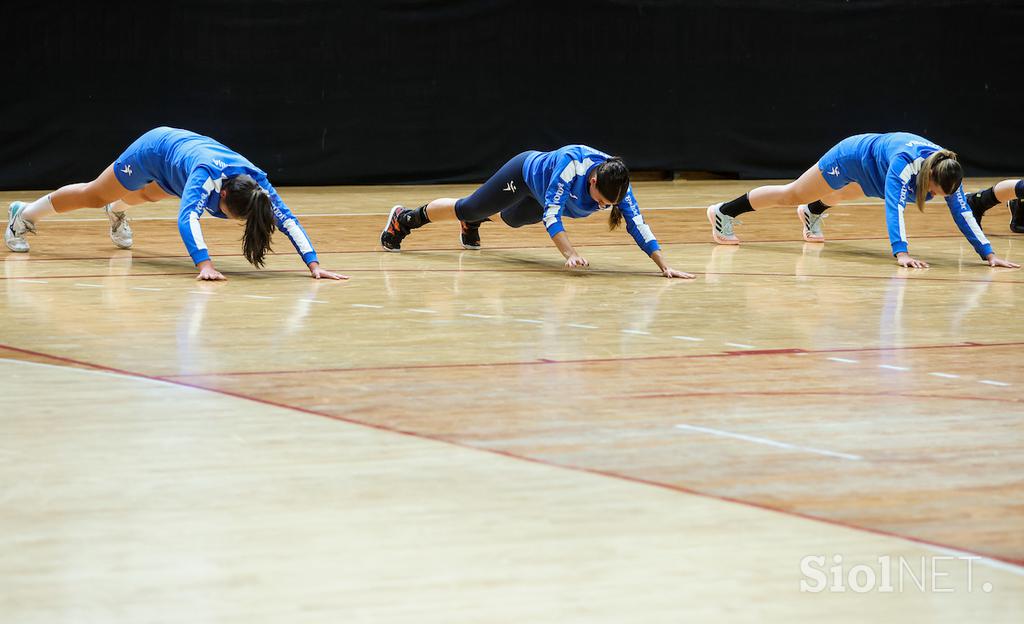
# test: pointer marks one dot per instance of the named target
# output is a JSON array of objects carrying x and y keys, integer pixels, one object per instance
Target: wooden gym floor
[{"x": 460, "y": 436}]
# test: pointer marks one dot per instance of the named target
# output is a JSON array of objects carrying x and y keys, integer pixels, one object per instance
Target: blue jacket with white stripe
[
  {"x": 558, "y": 181},
  {"x": 888, "y": 167},
  {"x": 193, "y": 167}
]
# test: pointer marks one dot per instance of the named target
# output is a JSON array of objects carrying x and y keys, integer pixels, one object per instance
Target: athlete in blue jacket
[
  {"x": 574, "y": 181},
  {"x": 899, "y": 167},
  {"x": 206, "y": 175}
]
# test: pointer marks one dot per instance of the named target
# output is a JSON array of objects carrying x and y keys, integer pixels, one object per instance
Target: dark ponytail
[
  {"x": 249, "y": 201},
  {"x": 613, "y": 183},
  {"x": 942, "y": 167}
]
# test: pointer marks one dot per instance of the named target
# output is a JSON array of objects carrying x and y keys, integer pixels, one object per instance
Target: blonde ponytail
[{"x": 942, "y": 167}]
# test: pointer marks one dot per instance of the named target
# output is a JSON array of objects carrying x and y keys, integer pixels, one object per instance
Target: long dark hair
[
  {"x": 613, "y": 182},
  {"x": 945, "y": 169},
  {"x": 249, "y": 201}
]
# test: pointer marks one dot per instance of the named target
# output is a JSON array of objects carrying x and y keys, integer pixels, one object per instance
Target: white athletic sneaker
[
  {"x": 812, "y": 224},
  {"x": 721, "y": 226},
  {"x": 120, "y": 231},
  {"x": 14, "y": 234}
]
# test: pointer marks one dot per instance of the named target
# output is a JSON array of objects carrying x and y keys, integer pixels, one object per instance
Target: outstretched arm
[
  {"x": 644, "y": 237},
  {"x": 963, "y": 216},
  {"x": 289, "y": 224},
  {"x": 897, "y": 189},
  {"x": 193, "y": 203}
]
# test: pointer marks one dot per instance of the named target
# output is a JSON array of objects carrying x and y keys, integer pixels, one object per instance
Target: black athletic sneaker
[
  {"x": 392, "y": 234},
  {"x": 470, "y": 234},
  {"x": 1016, "y": 216}
]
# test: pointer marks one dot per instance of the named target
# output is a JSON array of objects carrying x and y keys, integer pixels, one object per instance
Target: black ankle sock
[
  {"x": 817, "y": 207},
  {"x": 416, "y": 217},
  {"x": 983, "y": 200},
  {"x": 737, "y": 206},
  {"x": 1019, "y": 189}
]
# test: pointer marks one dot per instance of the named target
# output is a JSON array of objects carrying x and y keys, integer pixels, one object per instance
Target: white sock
[{"x": 38, "y": 209}]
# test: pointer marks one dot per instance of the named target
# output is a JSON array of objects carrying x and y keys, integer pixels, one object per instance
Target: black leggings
[{"x": 506, "y": 192}]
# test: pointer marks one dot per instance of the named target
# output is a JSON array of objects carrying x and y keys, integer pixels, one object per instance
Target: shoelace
[
  {"x": 120, "y": 218},
  {"x": 815, "y": 220},
  {"x": 727, "y": 223},
  {"x": 27, "y": 226}
]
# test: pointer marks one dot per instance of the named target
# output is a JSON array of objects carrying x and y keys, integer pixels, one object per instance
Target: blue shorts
[
  {"x": 836, "y": 166},
  {"x": 131, "y": 168}
]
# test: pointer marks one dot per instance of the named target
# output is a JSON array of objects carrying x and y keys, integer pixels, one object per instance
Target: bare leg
[
  {"x": 442, "y": 209},
  {"x": 810, "y": 186},
  {"x": 103, "y": 190},
  {"x": 149, "y": 193},
  {"x": 1006, "y": 190},
  {"x": 847, "y": 193}
]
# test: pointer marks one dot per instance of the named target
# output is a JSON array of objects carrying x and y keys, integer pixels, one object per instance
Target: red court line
[
  {"x": 549, "y": 362},
  {"x": 534, "y": 460}
]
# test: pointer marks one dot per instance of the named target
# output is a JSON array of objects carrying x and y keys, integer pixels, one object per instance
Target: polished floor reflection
[{"x": 474, "y": 436}]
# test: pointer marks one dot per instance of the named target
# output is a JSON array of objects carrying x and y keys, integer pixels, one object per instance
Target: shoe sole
[
  {"x": 465, "y": 246},
  {"x": 714, "y": 232},
  {"x": 800, "y": 211},
  {"x": 391, "y": 215}
]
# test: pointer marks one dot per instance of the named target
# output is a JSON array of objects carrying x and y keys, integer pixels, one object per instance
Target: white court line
[
  {"x": 89, "y": 285},
  {"x": 843, "y": 360},
  {"x": 484, "y": 316},
  {"x": 257, "y": 296},
  {"x": 312, "y": 301},
  {"x": 945, "y": 375},
  {"x": 145, "y": 288},
  {"x": 635, "y": 331},
  {"x": 421, "y": 310},
  {"x": 201, "y": 292},
  {"x": 28, "y": 281},
  {"x": 992, "y": 563},
  {"x": 365, "y": 305},
  {"x": 891, "y": 367},
  {"x": 1009, "y": 567},
  {"x": 93, "y": 371},
  {"x": 690, "y": 338},
  {"x": 739, "y": 345},
  {"x": 993, "y": 383},
  {"x": 767, "y": 442},
  {"x": 533, "y": 321},
  {"x": 385, "y": 213},
  {"x": 581, "y": 326}
]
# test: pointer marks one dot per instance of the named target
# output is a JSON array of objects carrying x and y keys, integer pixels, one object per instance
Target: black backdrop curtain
[{"x": 318, "y": 92}]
